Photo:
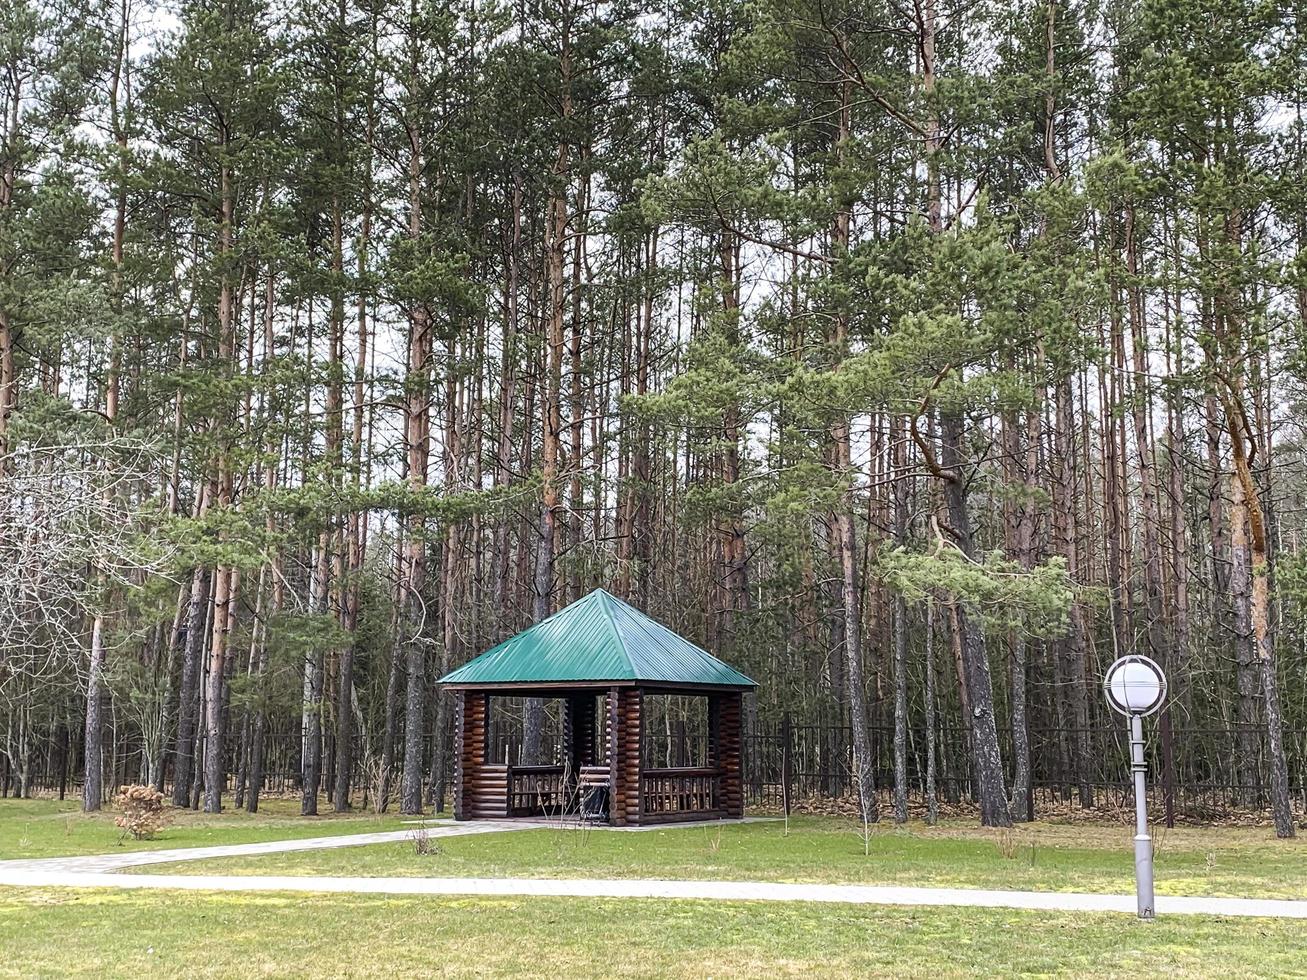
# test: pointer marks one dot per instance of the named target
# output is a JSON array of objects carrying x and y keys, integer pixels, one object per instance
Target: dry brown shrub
[
  {"x": 142, "y": 811},
  {"x": 424, "y": 845}
]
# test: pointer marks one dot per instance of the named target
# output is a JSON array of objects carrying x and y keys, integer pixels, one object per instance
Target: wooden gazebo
[{"x": 600, "y": 658}]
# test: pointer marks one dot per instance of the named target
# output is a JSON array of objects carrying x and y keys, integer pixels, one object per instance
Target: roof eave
[{"x": 598, "y": 685}]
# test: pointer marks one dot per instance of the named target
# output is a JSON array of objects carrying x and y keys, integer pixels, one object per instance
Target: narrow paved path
[
  {"x": 435, "y": 828},
  {"x": 96, "y": 871},
  {"x": 749, "y": 891},
  {"x": 132, "y": 859}
]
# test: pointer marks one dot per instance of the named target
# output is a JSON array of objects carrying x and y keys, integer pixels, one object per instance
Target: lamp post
[{"x": 1135, "y": 686}]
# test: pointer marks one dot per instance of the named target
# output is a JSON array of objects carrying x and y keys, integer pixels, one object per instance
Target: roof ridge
[
  {"x": 604, "y": 597},
  {"x": 658, "y": 633}
]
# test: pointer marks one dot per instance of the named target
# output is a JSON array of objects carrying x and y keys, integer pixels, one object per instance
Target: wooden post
[
  {"x": 624, "y": 753},
  {"x": 472, "y": 711},
  {"x": 729, "y": 716},
  {"x": 463, "y": 764},
  {"x": 460, "y": 766},
  {"x": 611, "y": 755}
]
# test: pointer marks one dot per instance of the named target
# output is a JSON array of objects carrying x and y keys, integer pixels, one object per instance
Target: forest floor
[
  {"x": 1080, "y": 857},
  {"x": 96, "y": 933},
  {"x": 43, "y": 828}
]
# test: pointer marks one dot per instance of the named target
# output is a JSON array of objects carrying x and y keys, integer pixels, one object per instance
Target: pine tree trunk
[
  {"x": 990, "y": 787},
  {"x": 932, "y": 731},
  {"x": 417, "y": 433},
  {"x": 394, "y": 673},
  {"x": 1249, "y": 552},
  {"x": 93, "y": 751},
  {"x": 1017, "y": 517},
  {"x": 899, "y": 441},
  {"x": 188, "y": 695},
  {"x": 851, "y": 595},
  {"x": 215, "y": 774},
  {"x": 8, "y": 181},
  {"x": 558, "y": 218},
  {"x": 311, "y": 718},
  {"x": 1071, "y": 649}
]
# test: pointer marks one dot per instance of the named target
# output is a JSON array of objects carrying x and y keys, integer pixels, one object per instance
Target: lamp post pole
[
  {"x": 1135, "y": 686},
  {"x": 1143, "y": 842}
]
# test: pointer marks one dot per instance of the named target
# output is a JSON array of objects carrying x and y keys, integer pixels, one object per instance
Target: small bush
[
  {"x": 423, "y": 843},
  {"x": 141, "y": 811}
]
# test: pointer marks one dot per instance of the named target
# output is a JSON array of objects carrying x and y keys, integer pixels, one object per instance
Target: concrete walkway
[
  {"x": 97, "y": 872},
  {"x": 442, "y": 827},
  {"x": 130, "y": 859},
  {"x": 747, "y": 891}
]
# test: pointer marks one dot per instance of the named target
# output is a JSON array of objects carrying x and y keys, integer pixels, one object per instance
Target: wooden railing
[
  {"x": 536, "y": 791},
  {"x": 675, "y": 793}
]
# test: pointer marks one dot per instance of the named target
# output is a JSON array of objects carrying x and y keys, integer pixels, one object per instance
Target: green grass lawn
[
  {"x": 1042, "y": 856},
  {"x": 50, "y": 828},
  {"x": 102, "y": 932},
  {"x": 94, "y": 933}
]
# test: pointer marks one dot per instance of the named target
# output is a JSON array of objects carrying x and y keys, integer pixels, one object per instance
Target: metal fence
[
  {"x": 1209, "y": 775},
  {"x": 1205, "y": 779}
]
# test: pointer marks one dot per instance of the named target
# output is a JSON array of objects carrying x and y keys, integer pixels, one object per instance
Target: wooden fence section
[
  {"x": 538, "y": 791},
  {"x": 680, "y": 794}
]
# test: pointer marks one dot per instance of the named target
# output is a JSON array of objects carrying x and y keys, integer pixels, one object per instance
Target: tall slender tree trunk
[
  {"x": 1154, "y": 580},
  {"x": 1251, "y": 561},
  {"x": 1018, "y": 516},
  {"x": 990, "y": 787},
  {"x": 394, "y": 677},
  {"x": 8, "y": 181},
  {"x": 507, "y": 398},
  {"x": 1070, "y": 650},
  {"x": 846, "y": 534},
  {"x": 558, "y": 220},
  {"x": 96, "y": 691},
  {"x": 932, "y": 731},
  {"x": 417, "y": 430},
  {"x": 224, "y": 576},
  {"x": 897, "y": 438},
  {"x": 93, "y": 750},
  {"x": 311, "y": 716},
  {"x": 188, "y": 695}
]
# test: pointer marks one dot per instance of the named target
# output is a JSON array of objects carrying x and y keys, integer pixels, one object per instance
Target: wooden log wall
[
  {"x": 726, "y": 713},
  {"x": 480, "y": 789},
  {"x": 623, "y": 739}
]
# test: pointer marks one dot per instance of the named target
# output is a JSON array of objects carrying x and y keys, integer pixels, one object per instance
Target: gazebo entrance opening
[
  {"x": 640, "y": 725},
  {"x": 561, "y": 778}
]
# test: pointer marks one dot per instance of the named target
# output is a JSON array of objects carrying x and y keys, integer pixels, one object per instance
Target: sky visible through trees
[{"x": 916, "y": 359}]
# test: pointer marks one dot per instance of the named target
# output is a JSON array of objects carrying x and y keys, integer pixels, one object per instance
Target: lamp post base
[{"x": 1144, "y": 875}]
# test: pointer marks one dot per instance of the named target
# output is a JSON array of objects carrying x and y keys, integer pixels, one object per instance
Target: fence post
[
  {"x": 787, "y": 761},
  {"x": 1168, "y": 767}
]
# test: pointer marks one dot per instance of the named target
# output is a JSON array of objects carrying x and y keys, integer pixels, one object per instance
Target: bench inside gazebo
[{"x": 605, "y": 663}]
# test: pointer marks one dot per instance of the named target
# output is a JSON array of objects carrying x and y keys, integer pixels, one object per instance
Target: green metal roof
[{"x": 597, "y": 639}]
